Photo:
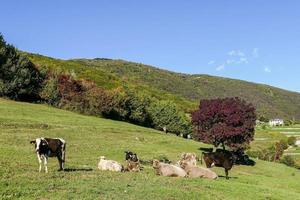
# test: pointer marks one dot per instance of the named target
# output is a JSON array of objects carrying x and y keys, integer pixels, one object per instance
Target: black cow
[
  {"x": 50, "y": 147},
  {"x": 221, "y": 158}
]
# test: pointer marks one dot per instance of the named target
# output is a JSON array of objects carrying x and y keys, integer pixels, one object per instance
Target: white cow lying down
[
  {"x": 195, "y": 172},
  {"x": 109, "y": 165},
  {"x": 164, "y": 169}
]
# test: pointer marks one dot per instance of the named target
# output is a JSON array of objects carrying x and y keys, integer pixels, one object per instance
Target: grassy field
[{"x": 90, "y": 137}]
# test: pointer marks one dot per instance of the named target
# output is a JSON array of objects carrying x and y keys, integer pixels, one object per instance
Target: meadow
[{"x": 90, "y": 137}]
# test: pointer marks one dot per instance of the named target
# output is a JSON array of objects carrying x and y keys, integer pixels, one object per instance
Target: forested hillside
[{"x": 184, "y": 89}]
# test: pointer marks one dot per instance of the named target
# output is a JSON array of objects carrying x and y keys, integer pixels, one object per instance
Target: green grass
[{"x": 90, "y": 137}]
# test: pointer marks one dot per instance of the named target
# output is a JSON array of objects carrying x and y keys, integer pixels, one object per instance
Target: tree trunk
[{"x": 223, "y": 145}]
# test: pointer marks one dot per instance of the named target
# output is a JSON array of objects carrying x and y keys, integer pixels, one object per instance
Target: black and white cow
[{"x": 50, "y": 147}]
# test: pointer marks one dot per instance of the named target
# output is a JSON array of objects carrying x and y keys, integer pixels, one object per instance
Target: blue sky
[{"x": 255, "y": 40}]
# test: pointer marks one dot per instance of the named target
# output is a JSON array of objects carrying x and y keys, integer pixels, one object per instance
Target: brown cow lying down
[
  {"x": 188, "y": 158},
  {"x": 198, "y": 172},
  {"x": 133, "y": 166},
  {"x": 109, "y": 165},
  {"x": 163, "y": 169},
  {"x": 133, "y": 162}
]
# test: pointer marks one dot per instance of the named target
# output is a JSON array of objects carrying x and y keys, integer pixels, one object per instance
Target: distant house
[
  {"x": 276, "y": 122},
  {"x": 297, "y": 142}
]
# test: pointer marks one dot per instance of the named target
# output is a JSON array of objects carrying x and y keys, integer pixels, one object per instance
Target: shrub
[
  {"x": 279, "y": 149},
  {"x": 263, "y": 118},
  {"x": 291, "y": 140},
  {"x": 288, "y": 160},
  {"x": 254, "y": 154}
]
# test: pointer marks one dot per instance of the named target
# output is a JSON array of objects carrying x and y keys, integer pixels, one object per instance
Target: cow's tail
[{"x": 63, "y": 151}]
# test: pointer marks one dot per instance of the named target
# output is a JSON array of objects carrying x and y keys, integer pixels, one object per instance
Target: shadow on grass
[
  {"x": 228, "y": 177},
  {"x": 78, "y": 169}
]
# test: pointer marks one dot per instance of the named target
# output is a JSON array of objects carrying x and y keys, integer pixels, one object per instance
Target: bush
[
  {"x": 288, "y": 160},
  {"x": 253, "y": 154},
  {"x": 289, "y": 122},
  {"x": 263, "y": 118},
  {"x": 291, "y": 140}
]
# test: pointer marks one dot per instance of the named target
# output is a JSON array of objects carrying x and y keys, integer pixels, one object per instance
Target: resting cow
[
  {"x": 163, "y": 169},
  {"x": 219, "y": 159},
  {"x": 109, "y": 165},
  {"x": 50, "y": 147},
  {"x": 133, "y": 162},
  {"x": 198, "y": 172},
  {"x": 188, "y": 158}
]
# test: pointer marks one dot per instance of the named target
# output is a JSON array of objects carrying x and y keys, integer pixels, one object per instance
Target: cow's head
[
  {"x": 155, "y": 163},
  {"x": 40, "y": 144},
  {"x": 131, "y": 156},
  {"x": 208, "y": 159},
  {"x": 102, "y": 157}
]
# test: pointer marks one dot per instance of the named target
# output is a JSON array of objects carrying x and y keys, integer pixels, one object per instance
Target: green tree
[
  {"x": 19, "y": 78},
  {"x": 166, "y": 114},
  {"x": 136, "y": 105}
]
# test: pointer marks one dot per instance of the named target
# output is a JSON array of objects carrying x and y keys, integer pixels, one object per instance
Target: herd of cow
[{"x": 185, "y": 167}]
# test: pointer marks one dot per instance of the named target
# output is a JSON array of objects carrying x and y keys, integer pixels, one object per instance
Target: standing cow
[
  {"x": 219, "y": 158},
  {"x": 50, "y": 147}
]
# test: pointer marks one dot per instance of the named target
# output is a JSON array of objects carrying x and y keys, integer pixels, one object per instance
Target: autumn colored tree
[{"x": 227, "y": 122}]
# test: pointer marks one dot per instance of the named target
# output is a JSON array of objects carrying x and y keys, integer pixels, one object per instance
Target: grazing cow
[
  {"x": 198, "y": 172},
  {"x": 188, "y": 158},
  {"x": 50, "y": 147},
  {"x": 133, "y": 162},
  {"x": 163, "y": 169},
  {"x": 109, "y": 165},
  {"x": 219, "y": 159}
]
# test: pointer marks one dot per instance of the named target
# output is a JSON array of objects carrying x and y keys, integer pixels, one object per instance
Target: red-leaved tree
[{"x": 229, "y": 121}]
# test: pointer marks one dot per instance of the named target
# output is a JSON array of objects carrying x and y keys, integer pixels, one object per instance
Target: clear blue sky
[{"x": 253, "y": 40}]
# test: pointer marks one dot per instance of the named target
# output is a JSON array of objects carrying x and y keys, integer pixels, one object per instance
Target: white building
[
  {"x": 297, "y": 142},
  {"x": 276, "y": 122}
]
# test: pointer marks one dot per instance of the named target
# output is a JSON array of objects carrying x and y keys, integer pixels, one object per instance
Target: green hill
[
  {"x": 90, "y": 137},
  {"x": 185, "y": 90}
]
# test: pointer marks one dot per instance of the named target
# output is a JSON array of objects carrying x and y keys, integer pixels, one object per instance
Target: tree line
[{"x": 21, "y": 80}]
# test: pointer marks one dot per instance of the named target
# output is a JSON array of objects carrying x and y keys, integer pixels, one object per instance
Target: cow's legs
[
  {"x": 40, "y": 161},
  {"x": 226, "y": 173},
  {"x": 63, "y": 156},
  {"x": 60, "y": 162},
  {"x": 45, "y": 163}
]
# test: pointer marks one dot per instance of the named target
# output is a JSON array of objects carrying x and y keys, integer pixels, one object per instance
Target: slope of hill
[
  {"x": 184, "y": 89},
  {"x": 90, "y": 137}
]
